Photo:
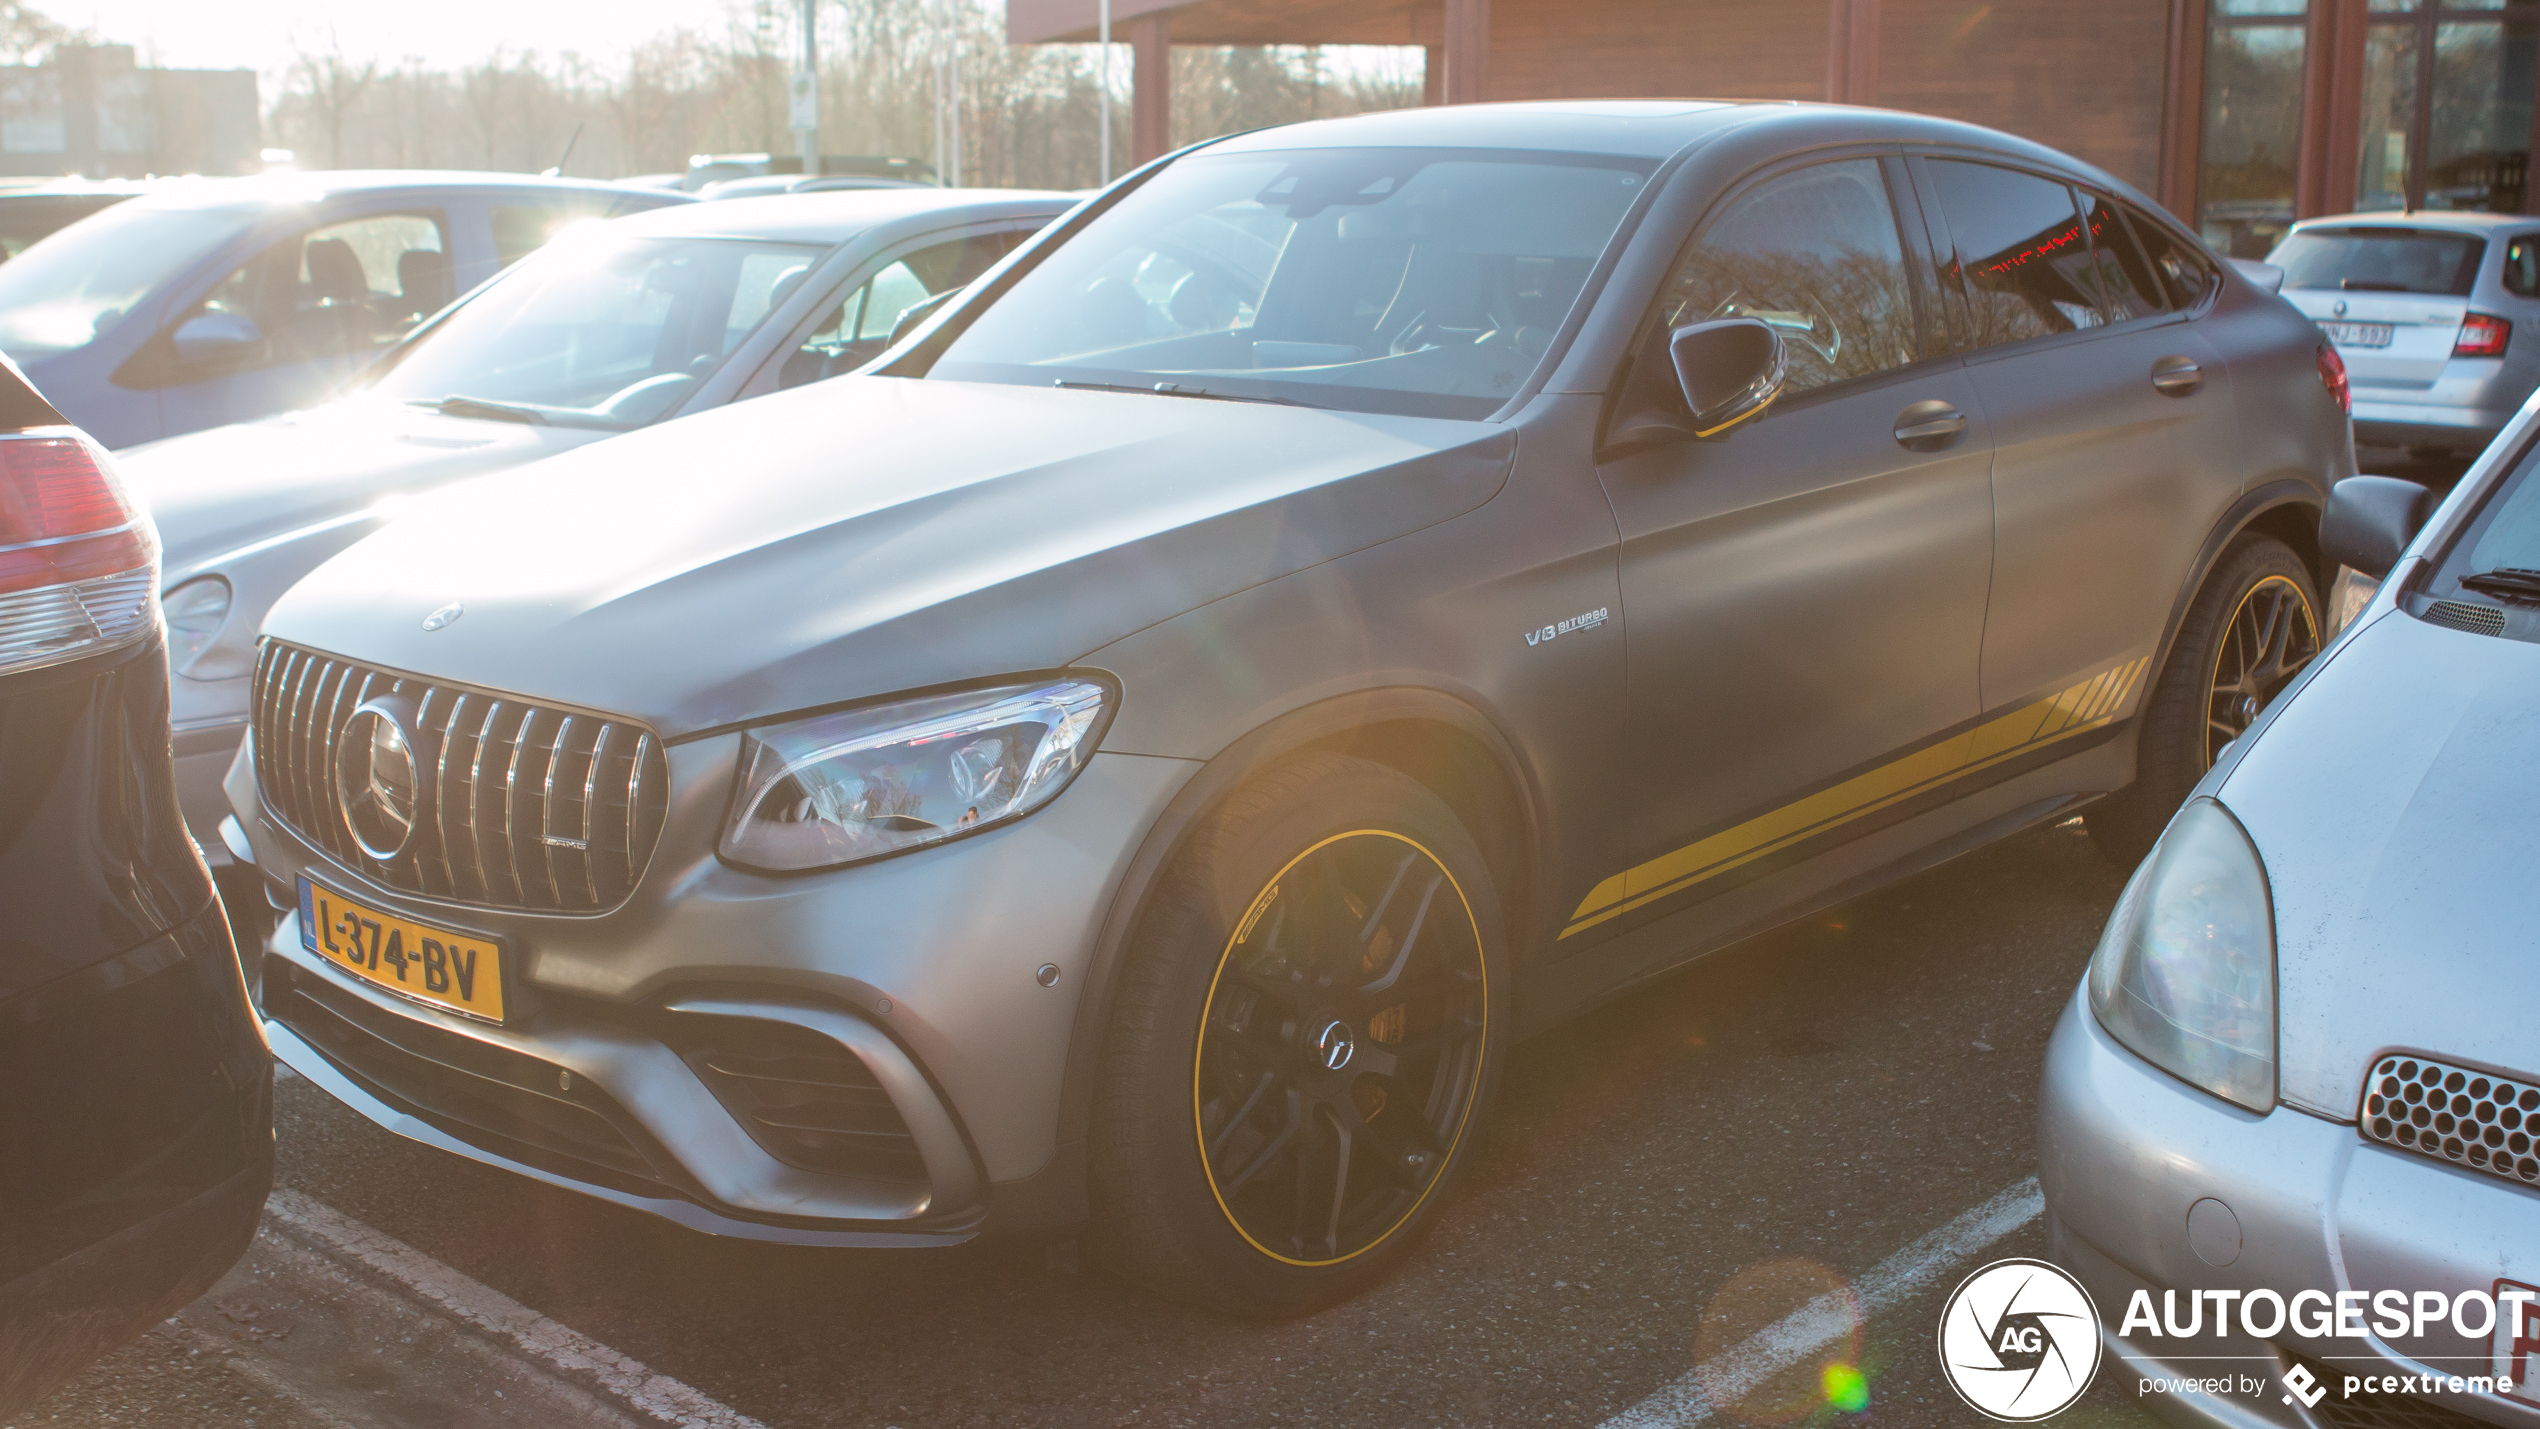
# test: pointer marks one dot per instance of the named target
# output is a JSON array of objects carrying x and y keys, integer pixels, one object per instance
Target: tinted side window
[
  {"x": 342, "y": 288},
  {"x": 2021, "y": 255},
  {"x": 856, "y": 331},
  {"x": 523, "y": 229},
  {"x": 2126, "y": 286},
  {"x": 2184, "y": 272},
  {"x": 2522, "y": 265},
  {"x": 1815, "y": 254}
]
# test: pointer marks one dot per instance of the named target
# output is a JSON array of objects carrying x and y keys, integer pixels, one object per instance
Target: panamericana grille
[
  {"x": 517, "y": 805},
  {"x": 2471, "y": 1119},
  {"x": 2462, "y": 615}
]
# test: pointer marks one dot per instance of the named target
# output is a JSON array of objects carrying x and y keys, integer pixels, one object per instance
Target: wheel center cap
[
  {"x": 2248, "y": 707},
  {"x": 1333, "y": 1046}
]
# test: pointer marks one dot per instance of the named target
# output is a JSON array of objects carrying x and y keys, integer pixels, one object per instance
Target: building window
[
  {"x": 2447, "y": 103},
  {"x": 2252, "y": 132}
]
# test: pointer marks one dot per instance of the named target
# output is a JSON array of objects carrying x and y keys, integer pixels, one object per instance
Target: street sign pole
[
  {"x": 803, "y": 98},
  {"x": 1102, "y": 95}
]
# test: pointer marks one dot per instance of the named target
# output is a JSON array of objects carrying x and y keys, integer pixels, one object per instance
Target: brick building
[
  {"x": 2238, "y": 114},
  {"x": 92, "y": 112}
]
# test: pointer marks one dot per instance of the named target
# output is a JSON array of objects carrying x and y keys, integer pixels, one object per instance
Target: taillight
[
  {"x": 78, "y": 566},
  {"x": 2482, "y": 336},
  {"x": 2333, "y": 377}
]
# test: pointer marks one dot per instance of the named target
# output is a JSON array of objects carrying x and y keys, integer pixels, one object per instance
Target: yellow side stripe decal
[{"x": 2094, "y": 702}]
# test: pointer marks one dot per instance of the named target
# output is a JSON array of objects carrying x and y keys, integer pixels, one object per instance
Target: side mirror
[
  {"x": 2370, "y": 520},
  {"x": 1730, "y": 370},
  {"x": 910, "y": 317},
  {"x": 209, "y": 337},
  {"x": 2265, "y": 275}
]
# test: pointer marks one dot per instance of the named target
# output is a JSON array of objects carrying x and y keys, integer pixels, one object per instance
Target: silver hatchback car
[
  {"x": 2423, "y": 307},
  {"x": 2289, "y": 1119}
]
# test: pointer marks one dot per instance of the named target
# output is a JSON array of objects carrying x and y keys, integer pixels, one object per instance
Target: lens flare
[{"x": 1846, "y": 1388}]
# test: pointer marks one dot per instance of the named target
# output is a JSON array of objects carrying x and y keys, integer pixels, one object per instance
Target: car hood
[
  {"x": 216, "y": 491},
  {"x": 2392, "y": 802},
  {"x": 873, "y": 534}
]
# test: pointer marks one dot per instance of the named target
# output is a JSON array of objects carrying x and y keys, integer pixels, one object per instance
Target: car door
[
  {"x": 2116, "y": 447},
  {"x": 307, "y": 312},
  {"x": 1803, "y": 596}
]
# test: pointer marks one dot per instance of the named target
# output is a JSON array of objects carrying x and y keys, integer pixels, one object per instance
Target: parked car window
[
  {"x": 523, "y": 229},
  {"x": 2185, "y": 273},
  {"x": 856, "y": 331},
  {"x": 1419, "y": 281},
  {"x": 2020, "y": 252},
  {"x": 2378, "y": 259},
  {"x": 2126, "y": 286},
  {"x": 606, "y": 331},
  {"x": 1814, "y": 254},
  {"x": 2522, "y": 265},
  {"x": 58, "y": 296},
  {"x": 342, "y": 288}
]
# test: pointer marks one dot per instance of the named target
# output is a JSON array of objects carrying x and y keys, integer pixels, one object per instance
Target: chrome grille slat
[{"x": 489, "y": 767}]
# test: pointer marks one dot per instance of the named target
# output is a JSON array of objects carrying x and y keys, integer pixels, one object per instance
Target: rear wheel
[
  {"x": 1308, "y": 1028},
  {"x": 2253, "y": 628}
]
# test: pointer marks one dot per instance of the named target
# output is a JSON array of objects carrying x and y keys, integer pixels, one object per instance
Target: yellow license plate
[{"x": 462, "y": 972}]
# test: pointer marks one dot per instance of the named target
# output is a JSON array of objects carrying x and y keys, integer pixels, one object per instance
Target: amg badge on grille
[{"x": 444, "y": 615}]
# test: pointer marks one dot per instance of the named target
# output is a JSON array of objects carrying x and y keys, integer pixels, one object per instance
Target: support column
[
  {"x": 1852, "y": 52},
  {"x": 1433, "y": 78},
  {"x": 2332, "y": 108},
  {"x": 1467, "y": 51},
  {"x": 1151, "y": 86},
  {"x": 2183, "y": 109}
]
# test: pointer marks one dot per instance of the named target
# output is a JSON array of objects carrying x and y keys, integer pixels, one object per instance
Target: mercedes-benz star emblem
[
  {"x": 444, "y": 615},
  {"x": 1334, "y": 1047},
  {"x": 375, "y": 776},
  {"x": 2019, "y": 1340}
]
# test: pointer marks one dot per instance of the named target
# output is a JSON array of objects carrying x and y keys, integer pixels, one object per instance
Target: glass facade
[{"x": 2253, "y": 124}]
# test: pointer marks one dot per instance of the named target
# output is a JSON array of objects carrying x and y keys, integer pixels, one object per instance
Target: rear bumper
[
  {"x": 2462, "y": 428},
  {"x": 2125, "y": 1152}
]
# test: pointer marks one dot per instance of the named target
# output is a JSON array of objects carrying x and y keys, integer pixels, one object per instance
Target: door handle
[
  {"x": 2177, "y": 376},
  {"x": 1929, "y": 426}
]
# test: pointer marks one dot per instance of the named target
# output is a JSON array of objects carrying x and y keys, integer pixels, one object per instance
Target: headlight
[
  {"x": 195, "y": 612},
  {"x": 2185, "y": 973},
  {"x": 861, "y": 783}
]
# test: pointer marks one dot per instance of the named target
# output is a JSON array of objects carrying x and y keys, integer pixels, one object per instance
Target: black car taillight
[
  {"x": 2482, "y": 336},
  {"x": 78, "y": 564}
]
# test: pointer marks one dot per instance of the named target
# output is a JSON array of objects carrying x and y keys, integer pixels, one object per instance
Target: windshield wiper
[
  {"x": 490, "y": 411},
  {"x": 1175, "y": 389},
  {"x": 2509, "y": 582}
]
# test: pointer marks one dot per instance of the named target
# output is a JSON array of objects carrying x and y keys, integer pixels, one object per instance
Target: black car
[{"x": 136, "y": 1091}]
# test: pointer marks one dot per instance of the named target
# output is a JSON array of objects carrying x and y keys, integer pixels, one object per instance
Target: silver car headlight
[
  {"x": 195, "y": 613},
  {"x": 2185, "y": 973},
  {"x": 860, "y": 783}
]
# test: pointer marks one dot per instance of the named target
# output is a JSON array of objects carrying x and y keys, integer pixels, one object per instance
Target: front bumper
[
  {"x": 917, "y": 975},
  {"x": 2126, "y": 1153}
]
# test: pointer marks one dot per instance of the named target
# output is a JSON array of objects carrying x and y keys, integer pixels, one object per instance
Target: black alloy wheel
[{"x": 2270, "y": 637}]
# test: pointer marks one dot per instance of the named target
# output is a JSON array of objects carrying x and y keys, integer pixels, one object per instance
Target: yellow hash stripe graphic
[{"x": 2088, "y": 705}]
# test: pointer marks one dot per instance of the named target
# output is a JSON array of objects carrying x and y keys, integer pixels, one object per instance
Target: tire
[
  {"x": 1331, "y": 909},
  {"x": 2225, "y": 666}
]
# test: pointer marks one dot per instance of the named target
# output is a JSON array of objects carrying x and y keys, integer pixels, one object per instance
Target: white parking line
[
  {"x": 1821, "y": 1322},
  {"x": 557, "y": 1346}
]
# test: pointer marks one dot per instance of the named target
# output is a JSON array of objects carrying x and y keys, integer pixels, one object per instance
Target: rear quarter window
[
  {"x": 2522, "y": 265},
  {"x": 2381, "y": 259}
]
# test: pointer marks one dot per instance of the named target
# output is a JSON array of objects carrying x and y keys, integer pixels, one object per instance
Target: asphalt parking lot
[{"x": 1666, "y": 1175}]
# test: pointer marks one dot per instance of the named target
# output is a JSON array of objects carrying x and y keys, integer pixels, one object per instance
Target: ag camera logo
[{"x": 2019, "y": 1340}]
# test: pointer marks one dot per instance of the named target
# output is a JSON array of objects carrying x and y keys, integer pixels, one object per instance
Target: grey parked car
[
  {"x": 2304, "y": 1062},
  {"x": 617, "y": 327},
  {"x": 2424, "y": 308},
  {"x": 1344, "y": 597},
  {"x": 210, "y": 301}
]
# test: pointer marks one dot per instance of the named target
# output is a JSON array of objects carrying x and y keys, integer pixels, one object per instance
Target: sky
[{"x": 263, "y": 34}]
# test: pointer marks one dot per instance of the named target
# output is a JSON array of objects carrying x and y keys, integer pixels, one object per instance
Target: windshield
[
  {"x": 600, "y": 330},
  {"x": 65, "y": 290},
  {"x": 1427, "y": 282},
  {"x": 2380, "y": 260}
]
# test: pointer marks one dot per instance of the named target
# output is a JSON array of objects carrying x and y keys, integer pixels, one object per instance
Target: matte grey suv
[{"x": 1345, "y": 597}]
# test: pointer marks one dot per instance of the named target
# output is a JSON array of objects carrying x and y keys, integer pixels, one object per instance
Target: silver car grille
[
  {"x": 518, "y": 805},
  {"x": 2469, "y": 1118}
]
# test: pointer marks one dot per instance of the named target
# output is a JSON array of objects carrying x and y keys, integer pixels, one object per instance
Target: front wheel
[
  {"x": 1308, "y": 1027},
  {"x": 2253, "y": 628}
]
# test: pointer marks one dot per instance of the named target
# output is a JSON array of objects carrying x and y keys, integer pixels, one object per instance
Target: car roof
[
  {"x": 275, "y": 189},
  {"x": 837, "y": 215},
  {"x": 2461, "y": 220}
]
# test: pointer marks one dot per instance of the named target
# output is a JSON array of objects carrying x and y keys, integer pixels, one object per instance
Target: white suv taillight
[{"x": 79, "y": 568}]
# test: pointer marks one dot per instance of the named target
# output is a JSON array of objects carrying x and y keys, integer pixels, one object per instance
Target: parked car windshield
[
  {"x": 65, "y": 290},
  {"x": 598, "y": 329},
  {"x": 2380, "y": 260},
  {"x": 1426, "y": 282}
]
